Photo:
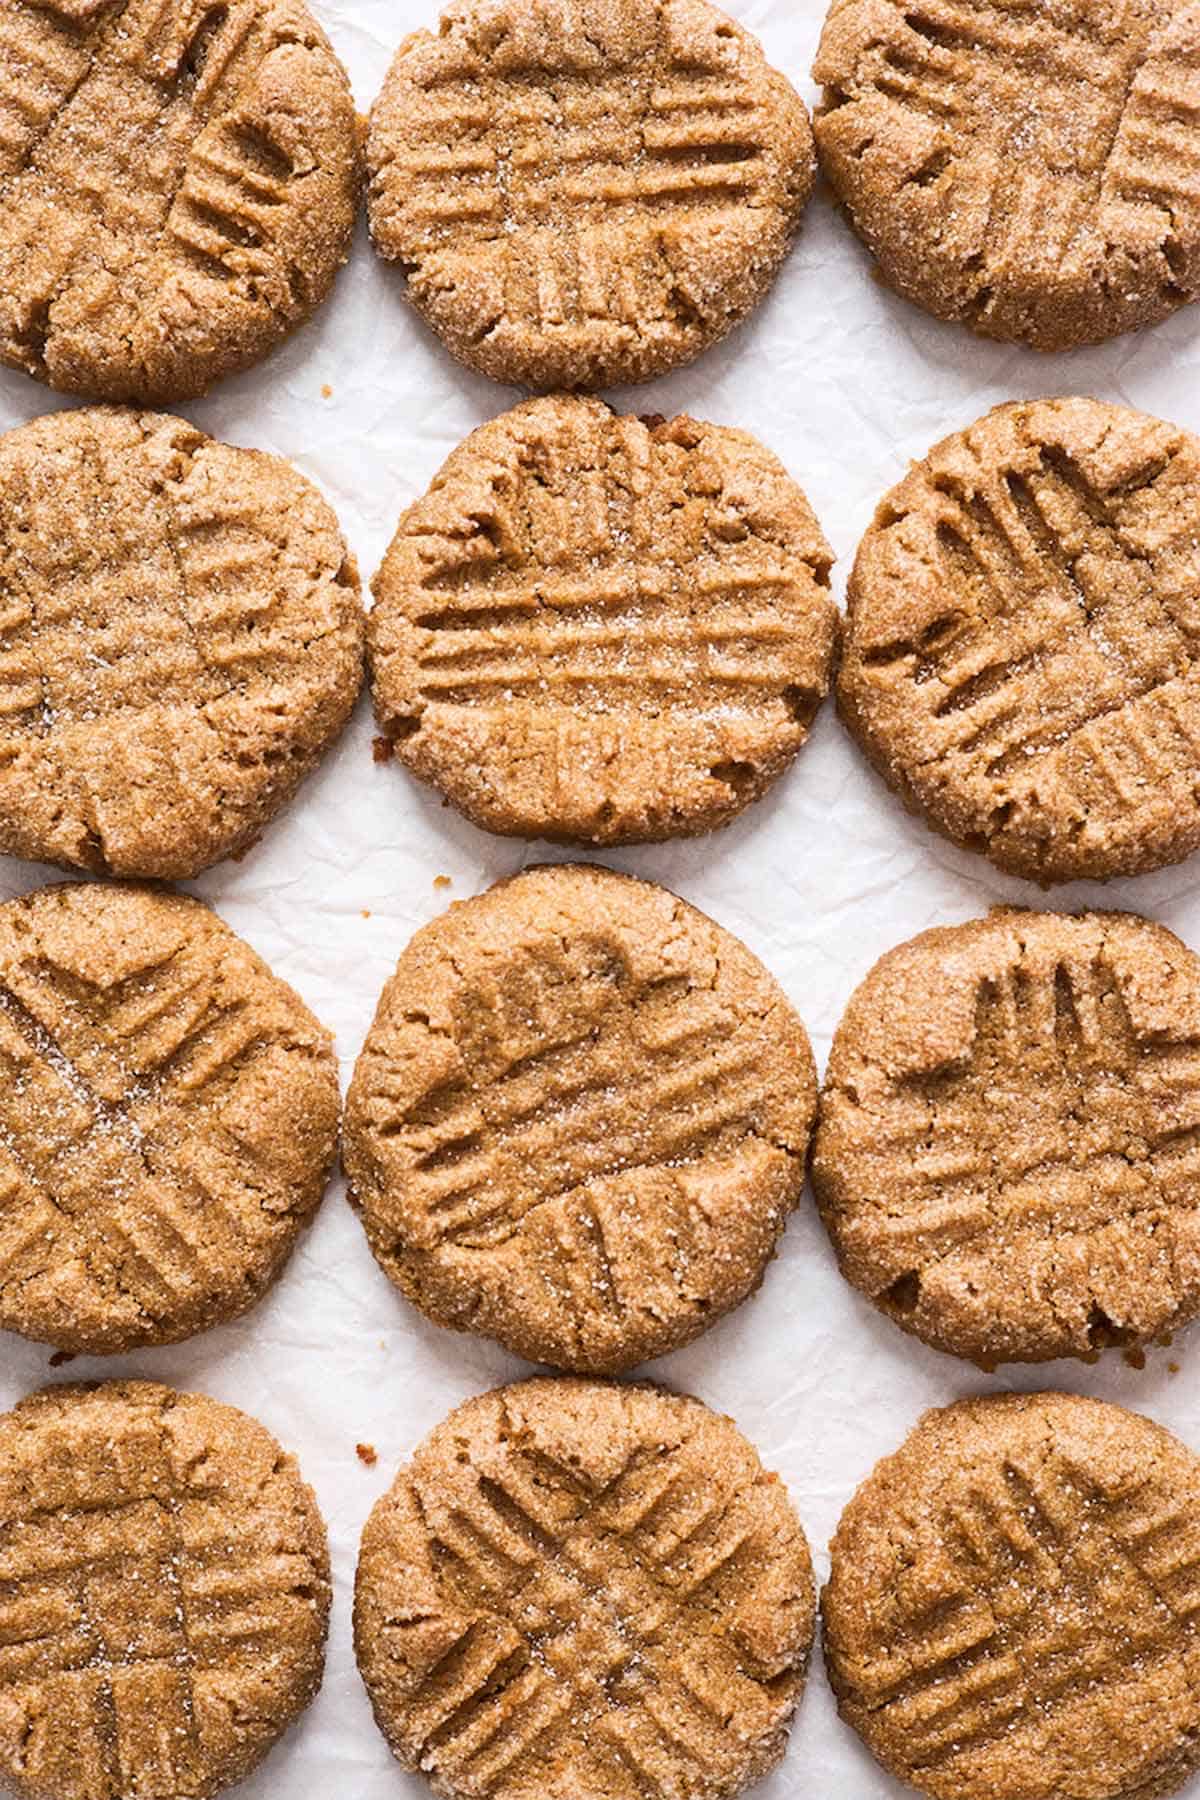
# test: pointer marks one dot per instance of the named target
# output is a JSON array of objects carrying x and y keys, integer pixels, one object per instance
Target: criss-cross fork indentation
[
  {"x": 93, "y": 1603},
  {"x": 1062, "y": 1119},
  {"x": 615, "y": 578},
  {"x": 1049, "y": 1589},
  {"x": 1012, "y": 92},
  {"x": 205, "y": 207},
  {"x": 93, "y": 1074},
  {"x": 126, "y": 1616},
  {"x": 573, "y": 1602},
  {"x": 1063, "y": 661}
]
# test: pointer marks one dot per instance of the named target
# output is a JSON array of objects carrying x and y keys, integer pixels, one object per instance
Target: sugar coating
[
  {"x": 586, "y": 195},
  {"x": 580, "y": 1587},
  {"x": 580, "y": 1119}
]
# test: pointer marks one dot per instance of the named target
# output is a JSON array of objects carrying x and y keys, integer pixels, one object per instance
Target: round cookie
[
  {"x": 1008, "y": 1149},
  {"x": 180, "y": 642},
  {"x": 1031, "y": 171},
  {"x": 1012, "y": 1607},
  {"x": 164, "y": 1594},
  {"x": 580, "y": 1119},
  {"x": 587, "y": 195},
  {"x": 178, "y": 185},
  {"x": 600, "y": 629},
  {"x": 168, "y": 1118},
  {"x": 578, "y": 1587},
  {"x": 1020, "y": 658}
]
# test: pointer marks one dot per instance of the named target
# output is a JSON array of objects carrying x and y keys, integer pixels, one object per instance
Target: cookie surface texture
[
  {"x": 178, "y": 186},
  {"x": 585, "y": 195},
  {"x": 584, "y": 1588},
  {"x": 1031, "y": 170},
  {"x": 164, "y": 1594},
  {"x": 596, "y": 630},
  {"x": 1007, "y": 1158},
  {"x": 580, "y": 1119},
  {"x": 1012, "y": 1604},
  {"x": 181, "y": 641},
  {"x": 1020, "y": 658},
  {"x": 168, "y": 1117}
]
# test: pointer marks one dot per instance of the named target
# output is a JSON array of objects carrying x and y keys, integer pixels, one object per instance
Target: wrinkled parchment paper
[{"x": 845, "y": 383}]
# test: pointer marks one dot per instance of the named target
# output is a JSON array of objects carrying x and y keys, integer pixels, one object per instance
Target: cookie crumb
[
  {"x": 367, "y": 1454},
  {"x": 442, "y": 881},
  {"x": 61, "y": 1358},
  {"x": 326, "y": 391},
  {"x": 382, "y": 749},
  {"x": 1172, "y": 1367},
  {"x": 366, "y": 912},
  {"x": 1134, "y": 1356}
]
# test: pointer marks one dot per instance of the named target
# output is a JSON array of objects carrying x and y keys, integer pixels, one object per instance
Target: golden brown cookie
[
  {"x": 588, "y": 194},
  {"x": 178, "y": 184},
  {"x": 1030, "y": 169},
  {"x": 600, "y": 629},
  {"x": 1020, "y": 658},
  {"x": 168, "y": 1116},
  {"x": 1012, "y": 1608},
  {"x": 164, "y": 1594},
  {"x": 580, "y": 1119},
  {"x": 581, "y": 1588},
  {"x": 1009, "y": 1142},
  {"x": 180, "y": 641}
]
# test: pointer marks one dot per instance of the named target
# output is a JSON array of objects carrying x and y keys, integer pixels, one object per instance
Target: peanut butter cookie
[
  {"x": 1012, "y": 1608},
  {"x": 578, "y": 1587},
  {"x": 1030, "y": 169},
  {"x": 580, "y": 1119},
  {"x": 164, "y": 1594},
  {"x": 180, "y": 642},
  {"x": 1020, "y": 656},
  {"x": 1008, "y": 1155},
  {"x": 602, "y": 630},
  {"x": 585, "y": 195},
  {"x": 168, "y": 1114},
  {"x": 178, "y": 184}
]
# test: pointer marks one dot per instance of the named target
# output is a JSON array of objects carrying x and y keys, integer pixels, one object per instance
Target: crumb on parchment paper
[
  {"x": 442, "y": 881},
  {"x": 366, "y": 1454},
  {"x": 382, "y": 749}
]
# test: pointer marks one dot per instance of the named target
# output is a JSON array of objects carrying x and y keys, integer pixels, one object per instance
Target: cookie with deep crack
[
  {"x": 1030, "y": 170},
  {"x": 587, "y": 195},
  {"x": 1012, "y": 1604},
  {"x": 178, "y": 185},
  {"x": 168, "y": 1117},
  {"x": 1009, "y": 1136},
  {"x": 180, "y": 642},
  {"x": 580, "y": 1119},
  {"x": 601, "y": 629},
  {"x": 578, "y": 1587},
  {"x": 1020, "y": 657},
  {"x": 164, "y": 1594}
]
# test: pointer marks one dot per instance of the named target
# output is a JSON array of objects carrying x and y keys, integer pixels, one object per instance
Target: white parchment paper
[{"x": 845, "y": 383}]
